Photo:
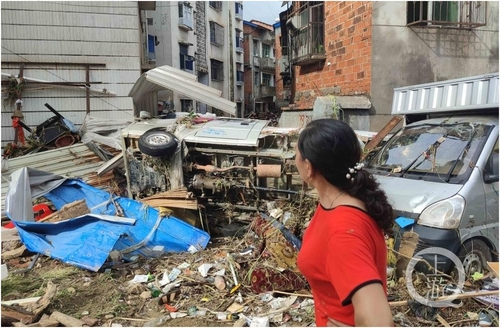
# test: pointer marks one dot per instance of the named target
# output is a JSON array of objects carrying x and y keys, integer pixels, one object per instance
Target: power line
[{"x": 86, "y": 87}]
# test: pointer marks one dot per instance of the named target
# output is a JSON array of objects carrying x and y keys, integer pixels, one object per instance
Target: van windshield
[{"x": 442, "y": 151}]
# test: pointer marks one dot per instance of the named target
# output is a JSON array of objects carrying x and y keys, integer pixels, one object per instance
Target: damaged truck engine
[{"x": 219, "y": 159}]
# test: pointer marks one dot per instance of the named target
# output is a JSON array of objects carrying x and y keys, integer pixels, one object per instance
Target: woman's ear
[{"x": 309, "y": 171}]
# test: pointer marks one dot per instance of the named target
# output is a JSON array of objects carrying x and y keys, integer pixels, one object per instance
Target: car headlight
[{"x": 445, "y": 214}]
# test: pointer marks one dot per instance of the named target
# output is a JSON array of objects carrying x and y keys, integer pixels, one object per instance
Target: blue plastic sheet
[{"x": 87, "y": 240}]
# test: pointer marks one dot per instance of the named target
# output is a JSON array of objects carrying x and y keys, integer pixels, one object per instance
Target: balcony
[
  {"x": 267, "y": 91},
  {"x": 267, "y": 63},
  {"x": 186, "y": 23},
  {"x": 239, "y": 45},
  {"x": 238, "y": 12},
  {"x": 308, "y": 37},
  {"x": 185, "y": 17},
  {"x": 256, "y": 61}
]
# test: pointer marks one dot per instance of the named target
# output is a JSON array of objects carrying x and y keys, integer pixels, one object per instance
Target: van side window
[{"x": 491, "y": 168}]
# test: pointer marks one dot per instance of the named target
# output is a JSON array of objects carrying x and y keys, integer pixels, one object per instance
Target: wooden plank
[
  {"x": 451, "y": 297},
  {"x": 442, "y": 321},
  {"x": 175, "y": 203},
  {"x": 493, "y": 266},
  {"x": 381, "y": 135},
  {"x": 66, "y": 320},
  {"x": 22, "y": 301}
]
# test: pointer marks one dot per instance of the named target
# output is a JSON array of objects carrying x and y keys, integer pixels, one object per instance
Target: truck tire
[
  {"x": 157, "y": 143},
  {"x": 474, "y": 254}
]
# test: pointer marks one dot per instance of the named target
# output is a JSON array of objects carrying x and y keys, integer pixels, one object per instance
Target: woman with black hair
[{"x": 343, "y": 254}]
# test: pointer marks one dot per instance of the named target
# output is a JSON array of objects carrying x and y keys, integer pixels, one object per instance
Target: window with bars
[
  {"x": 239, "y": 40},
  {"x": 266, "y": 80},
  {"x": 217, "y": 5},
  {"x": 453, "y": 14},
  {"x": 307, "y": 33},
  {"x": 186, "y": 61},
  {"x": 217, "y": 70},
  {"x": 239, "y": 73},
  {"x": 266, "y": 50},
  {"x": 185, "y": 15},
  {"x": 216, "y": 34}
]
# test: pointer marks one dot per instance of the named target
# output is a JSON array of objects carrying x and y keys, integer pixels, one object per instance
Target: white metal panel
[
  {"x": 114, "y": 62},
  {"x": 122, "y": 7},
  {"x": 174, "y": 79},
  {"x": 76, "y": 161},
  {"x": 69, "y": 34},
  {"x": 476, "y": 92},
  {"x": 68, "y": 19},
  {"x": 95, "y": 48}
]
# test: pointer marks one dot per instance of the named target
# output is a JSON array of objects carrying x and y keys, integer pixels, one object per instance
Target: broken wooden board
[
  {"x": 407, "y": 247},
  {"x": 66, "y": 320},
  {"x": 493, "y": 266},
  {"x": 178, "y": 198},
  {"x": 15, "y": 253},
  {"x": 68, "y": 211},
  {"x": 381, "y": 135}
]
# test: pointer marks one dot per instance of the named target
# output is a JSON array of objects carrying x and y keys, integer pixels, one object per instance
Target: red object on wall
[{"x": 19, "y": 130}]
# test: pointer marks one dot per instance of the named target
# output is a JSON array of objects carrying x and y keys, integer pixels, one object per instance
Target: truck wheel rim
[{"x": 158, "y": 139}]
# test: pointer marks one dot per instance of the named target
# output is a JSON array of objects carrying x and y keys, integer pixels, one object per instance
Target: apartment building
[
  {"x": 260, "y": 69},
  {"x": 356, "y": 52},
  {"x": 203, "y": 38}
]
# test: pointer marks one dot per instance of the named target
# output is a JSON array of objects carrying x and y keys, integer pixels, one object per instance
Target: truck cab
[{"x": 440, "y": 170}]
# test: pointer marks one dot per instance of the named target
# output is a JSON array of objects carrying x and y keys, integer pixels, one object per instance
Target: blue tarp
[{"x": 87, "y": 240}]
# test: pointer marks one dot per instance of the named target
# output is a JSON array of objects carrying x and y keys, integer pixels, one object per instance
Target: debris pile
[{"x": 248, "y": 278}]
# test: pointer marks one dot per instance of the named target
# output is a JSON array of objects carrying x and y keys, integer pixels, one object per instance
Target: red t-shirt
[{"x": 343, "y": 249}]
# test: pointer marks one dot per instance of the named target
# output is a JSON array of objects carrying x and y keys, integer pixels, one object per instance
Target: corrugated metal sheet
[
  {"x": 75, "y": 161},
  {"x": 167, "y": 77},
  {"x": 476, "y": 92},
  {"x": 103, "y": 32}
]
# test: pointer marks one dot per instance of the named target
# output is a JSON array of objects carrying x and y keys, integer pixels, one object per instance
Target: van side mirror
[{"x": 491, "y": 170}]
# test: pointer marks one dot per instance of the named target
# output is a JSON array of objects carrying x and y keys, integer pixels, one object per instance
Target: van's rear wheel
[{"x": 474, "y": 254}]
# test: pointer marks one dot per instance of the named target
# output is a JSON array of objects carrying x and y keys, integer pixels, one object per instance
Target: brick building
[{"x": 354, "y": 53}]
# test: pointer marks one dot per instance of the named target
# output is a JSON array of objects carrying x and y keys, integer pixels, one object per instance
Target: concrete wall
[
  {"x": 404, "y": 56},
  {"x": 46, "y": 36}
]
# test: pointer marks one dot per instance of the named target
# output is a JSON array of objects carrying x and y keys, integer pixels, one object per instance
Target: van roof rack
[{"x": 464, "y": 94}]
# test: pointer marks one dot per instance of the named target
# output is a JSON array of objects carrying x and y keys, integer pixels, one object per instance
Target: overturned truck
[{"x": 221, "y": 159}]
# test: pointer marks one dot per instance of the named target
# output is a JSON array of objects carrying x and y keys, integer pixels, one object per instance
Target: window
[
  {"x": 256, "y": 47},
  {"x": 217, "y": 70},
  {"x": 216, "y": 34},
  {"x": 256, "y": 78},
  {"x": 238, "y": 10},
  {"x": 185, "y": 15},
  {"x": 217, "y": 5},
  {"x": 151, "y": 47},
  {"x": 306, "y": 28},
  {"x": 239, "y": 74},
  {"x": 239, "y": 41},
  {"x": 490, "y": 173},
  {"x": 266, "y": 50},
  {"x": 186, "y": 105},
  {"x": 150, "y": 21},
  {"x": 266, "y": 80},
  {"x": 186, "y": 61},
  {"x": 456, "y": 14}
]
